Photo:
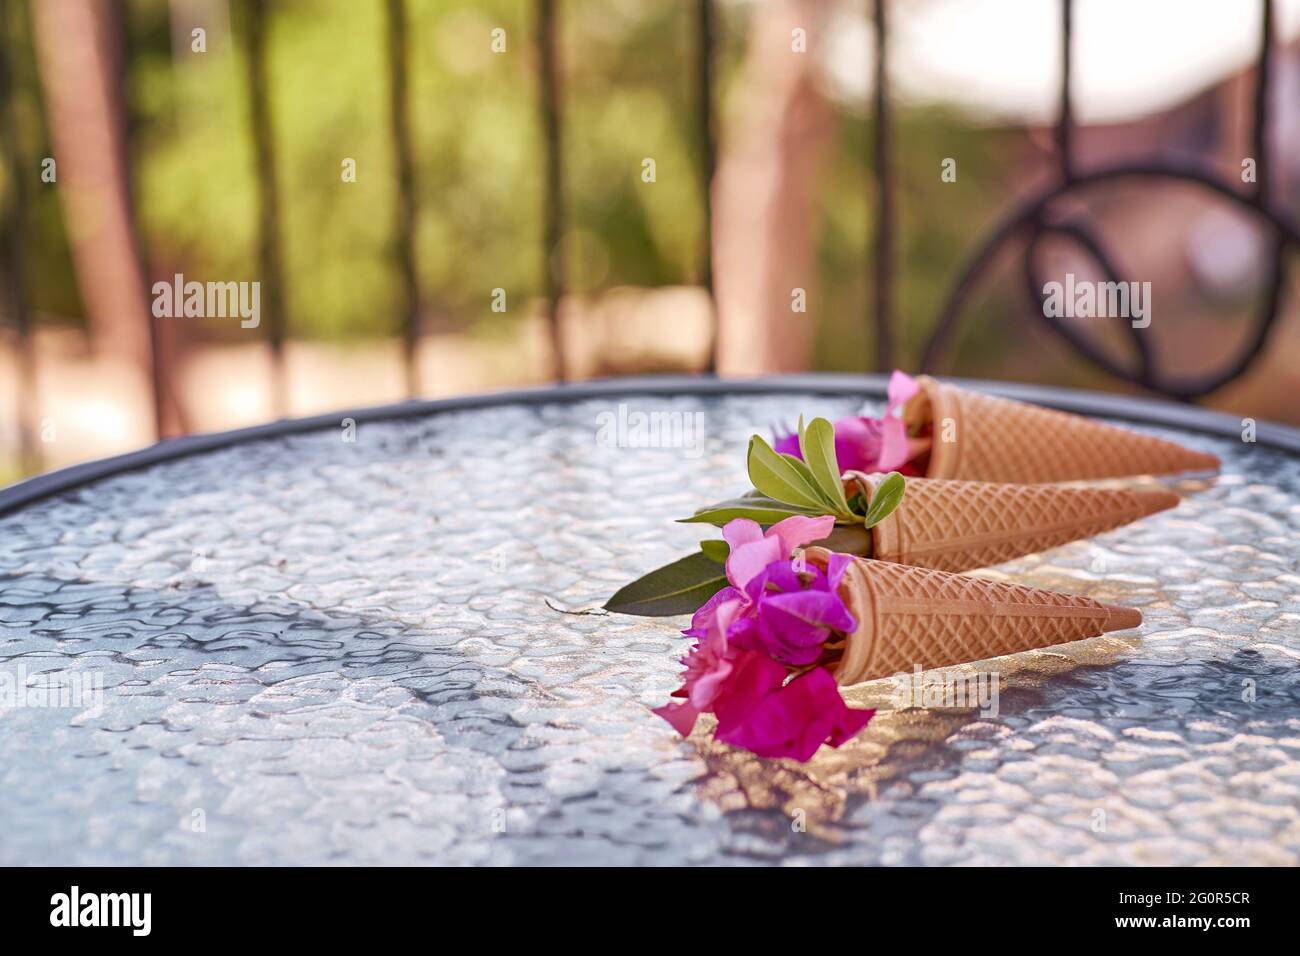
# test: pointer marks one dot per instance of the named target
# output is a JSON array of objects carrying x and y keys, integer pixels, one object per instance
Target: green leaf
[
  {"x": 825, "y": 500},
  {"x": 817, "y": 442},
  {"x": 887, "y": 496},
  {"x": 677, "y": 588},
  {"x": 776, "y": 477},
  {"x": 764, "y": 510},
  {"x": 716, "y": 550}
]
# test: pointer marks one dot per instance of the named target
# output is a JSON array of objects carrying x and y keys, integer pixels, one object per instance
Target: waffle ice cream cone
[
  {"x": 959, "y": 525},
  {"x": 908, "y": 616},
  {"x": 979, "y": 437}
]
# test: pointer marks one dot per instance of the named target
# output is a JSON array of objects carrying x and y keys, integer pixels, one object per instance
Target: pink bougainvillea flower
[
  {"x": 702, "y": 618},
  {"x": 793, "y": 614},
  {"x": 740, "y": 666},
  {"x": 755, "y": 677},
  {"x": 752, "y": 550},
  {"x": 872, "y": 444},
  {"x": 772, "y": 617},
  {"x": 789, "y": 721},
  {"x": 709, "y": 663}
]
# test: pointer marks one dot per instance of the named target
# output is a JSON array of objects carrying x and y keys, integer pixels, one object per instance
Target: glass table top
[{"x": 387, "y": 651}]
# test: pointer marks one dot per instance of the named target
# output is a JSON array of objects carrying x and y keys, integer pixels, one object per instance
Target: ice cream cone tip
[
  {"x": 1121, "y": 618},
  {"x": 1156, "y": 499}
]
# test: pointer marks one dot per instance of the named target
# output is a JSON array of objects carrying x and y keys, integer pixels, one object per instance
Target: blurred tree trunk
[
  {"x": 763, "y": 195},
  {"x": 16, "y": 171},
  {"x": 78, "y": 46}
]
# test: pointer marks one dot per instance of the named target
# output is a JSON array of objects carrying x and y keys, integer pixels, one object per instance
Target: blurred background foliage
[
  {"x": 628, "y": 92},
  {"x": 479, "y": 170},
  {"x": 477, "y": 150}
]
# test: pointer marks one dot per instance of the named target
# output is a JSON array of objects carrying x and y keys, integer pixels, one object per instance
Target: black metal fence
[
  {"x": 1032, "y": 221},
  {"x": 1035, "y": 220}
]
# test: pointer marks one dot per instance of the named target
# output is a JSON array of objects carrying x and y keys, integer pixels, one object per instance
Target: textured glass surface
[{"x": 315, "y": 651}]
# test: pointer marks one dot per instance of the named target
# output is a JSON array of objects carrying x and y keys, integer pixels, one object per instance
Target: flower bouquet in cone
[
  {"x": 778, "y": 628},
  {"x": 773, "y": 646},
  {"x": 935, "y": 429},
  {"x": 945, "y": 524}
]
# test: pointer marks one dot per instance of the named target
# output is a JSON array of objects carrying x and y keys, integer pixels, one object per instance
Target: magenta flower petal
[
  {"x": 850, "y": 722},
  {"x": 797, "y": 719},
  {"x": 740, "y": 531},
  {"x": 785, "y": 723},
  {"x": 798, "y": 530},
  {"x": 767, "y": 641},
  {"x": 709, "y": 669},
  {"x": 702, "y": 618},
  {"x": 750, "y": 551},
  {"x": 681, "y": 716},
  {"x": 777, "y": 576},
  {"x": 902, "y": 388},
  {"x": 705, "y": 690},
  {"x": 709, "y": 663},
  {"x": 836, "y": 565},
  {"x": 895, "y": 448},
  {"x": 857, "y": 443},
  {"x": 792, "y": 627},
  {"x": 844, "y": 722},
  {"x": 749, "y": 560},
  {"x": 754, "y": 678},
  {"x": 744, "y": 634},
  {"x": 789, "y": 615},
  {"x": 869, "y": 444},
  {"x": 787, "y": 444},
  {"x": 821, "y": 609}
]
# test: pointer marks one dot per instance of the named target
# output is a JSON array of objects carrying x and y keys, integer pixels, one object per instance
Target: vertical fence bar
[
  {"x": 405, "y": 201},
  {"x": 1065, "y": 121},
  {"x": 884, "y": 265},
  {"x": 706, "y": 43},
  {"x": 1263, "y": 82},
  {"x": 552, "y": 223},
  {"x": 1277, "y": 275},
  {"x": 15, "y": 219},
  {"x": 268, "y": 200}
]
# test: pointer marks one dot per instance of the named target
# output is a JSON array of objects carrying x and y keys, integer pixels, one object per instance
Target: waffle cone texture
[
  {"x": 959, "y": 525},
  {"x": 997, "y": 439},
  {"x": 908, "y": 616}
]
